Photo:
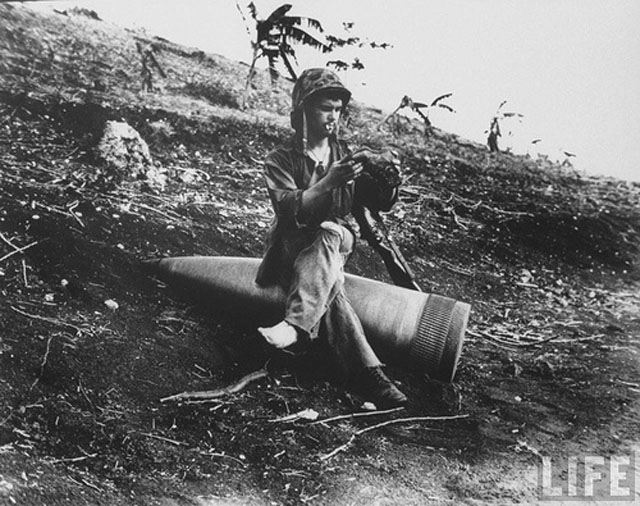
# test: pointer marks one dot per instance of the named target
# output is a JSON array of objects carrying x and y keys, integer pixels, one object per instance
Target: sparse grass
[{"x": 214, "y": 93}]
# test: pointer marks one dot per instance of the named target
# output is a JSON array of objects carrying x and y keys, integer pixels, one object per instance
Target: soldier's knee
[
  {"x": 341, "y": 234},
  {"x": 333, "y": 228}
]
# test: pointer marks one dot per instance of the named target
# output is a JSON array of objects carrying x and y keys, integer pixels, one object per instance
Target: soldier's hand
[{"x": 344, "y": 171}]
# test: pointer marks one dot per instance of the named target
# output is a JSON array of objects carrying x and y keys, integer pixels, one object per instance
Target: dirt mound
[{"x": 91, "y": 344}]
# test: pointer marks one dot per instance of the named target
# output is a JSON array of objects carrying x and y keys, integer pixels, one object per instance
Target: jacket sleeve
[{"x": 285, "y": 195}]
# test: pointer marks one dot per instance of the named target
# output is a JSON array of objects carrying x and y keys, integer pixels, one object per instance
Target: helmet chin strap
[{"x": 305, "y": 133}]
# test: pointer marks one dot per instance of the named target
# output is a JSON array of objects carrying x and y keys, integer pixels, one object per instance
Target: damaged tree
[
  {"x": 417, "y": 107},
  {"x": 149, "y": 62},
  {"x": 494, "y": 133},
  {"x": 274, "y": 38},
  {"x": 494, "y": 128}
]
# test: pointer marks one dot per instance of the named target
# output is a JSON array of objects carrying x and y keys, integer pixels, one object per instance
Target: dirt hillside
[{"x": 90, "y": 343}]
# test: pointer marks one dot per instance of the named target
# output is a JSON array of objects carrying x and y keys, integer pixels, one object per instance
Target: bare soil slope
[{"x": 547, "y": 257}]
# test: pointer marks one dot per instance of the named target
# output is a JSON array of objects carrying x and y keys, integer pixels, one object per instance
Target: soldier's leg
[
  {"x": 353, "y": 353},
  {"x": 317, "y": 299},
  {"x": 345, "y": 336},
  {"x": 317, "y": 277}
]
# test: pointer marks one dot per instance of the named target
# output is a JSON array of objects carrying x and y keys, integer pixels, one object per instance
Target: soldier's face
[{"x": 323, "y": 116}]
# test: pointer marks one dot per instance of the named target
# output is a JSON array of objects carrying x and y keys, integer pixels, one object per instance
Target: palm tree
[{"x": 274, "y": 38}]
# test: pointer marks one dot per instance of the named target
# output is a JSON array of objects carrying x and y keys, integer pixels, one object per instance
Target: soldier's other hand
[{"x": 362, "y": 155}]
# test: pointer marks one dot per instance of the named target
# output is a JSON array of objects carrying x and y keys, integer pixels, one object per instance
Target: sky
[{"x": 571, "y": 68}]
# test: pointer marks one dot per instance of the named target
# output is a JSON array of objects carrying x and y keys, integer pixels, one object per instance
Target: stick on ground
[
  {"x": 219, "y": 392},
  {"x": 384, "y": 424},
  {"x": 19, "y": 250}
]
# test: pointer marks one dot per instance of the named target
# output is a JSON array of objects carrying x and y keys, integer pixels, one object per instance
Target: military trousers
[{"x": 317, "y": 303}]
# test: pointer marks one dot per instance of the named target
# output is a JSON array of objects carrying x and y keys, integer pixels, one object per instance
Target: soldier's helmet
[{"x": 310, "y": 83}]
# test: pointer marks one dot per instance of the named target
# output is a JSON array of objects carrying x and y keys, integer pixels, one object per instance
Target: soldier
[{"x": 311, "y": 185}]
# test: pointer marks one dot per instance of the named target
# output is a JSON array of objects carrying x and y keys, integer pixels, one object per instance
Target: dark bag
[
  {"x": 377, "y": 186},
  {"x": 376, "y": 191}
]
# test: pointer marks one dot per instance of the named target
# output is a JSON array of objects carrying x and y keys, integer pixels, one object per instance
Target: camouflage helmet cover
[{"x": 316, "y": 80}]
